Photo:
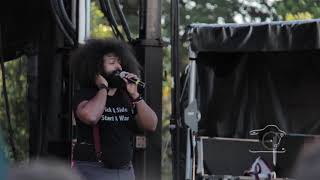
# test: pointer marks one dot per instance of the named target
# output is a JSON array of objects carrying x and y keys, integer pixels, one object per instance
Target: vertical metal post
[
  {"x": 84, "y": 20},
  {"x": 192, "y": 88},
  {"x": 149, "y": 50},
  {"x": 175, "y": 123},
  {"x": 74, "y": 14},
  {"x": 200, "y": 168},
  {"x": 188, "y": 173},
  {"x": 35, "y": 137}
]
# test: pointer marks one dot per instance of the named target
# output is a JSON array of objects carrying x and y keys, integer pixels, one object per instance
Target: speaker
[{"x": 231, "y": 156}]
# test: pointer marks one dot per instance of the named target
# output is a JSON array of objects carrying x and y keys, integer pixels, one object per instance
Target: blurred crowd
[{"x": 307, "y": 167}]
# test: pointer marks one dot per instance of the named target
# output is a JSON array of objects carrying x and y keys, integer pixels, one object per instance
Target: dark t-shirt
[{"x": 117, "y": 127}]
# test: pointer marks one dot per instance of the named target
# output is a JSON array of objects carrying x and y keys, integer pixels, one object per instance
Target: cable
[
  {"x": 66, "y": 20},
  {"x": 106, "y": 9},
  {"x": 185, "y": 83},
  {"x": 60, "y": 24},
  {"x": 123, "y": 20},
  {"x": 6, "y": 102},
  {"x": 105, "y": 12}
]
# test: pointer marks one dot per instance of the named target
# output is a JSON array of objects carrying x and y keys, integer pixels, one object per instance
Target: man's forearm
[
  {"x": 94, "y": 108},
  {"x": 146, "y": 117}
]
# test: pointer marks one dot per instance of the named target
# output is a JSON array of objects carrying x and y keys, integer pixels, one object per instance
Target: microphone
[{"x": 136, "y": 81}]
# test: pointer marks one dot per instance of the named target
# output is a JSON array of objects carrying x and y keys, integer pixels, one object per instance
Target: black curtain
[{"x": 244, "y": 91}]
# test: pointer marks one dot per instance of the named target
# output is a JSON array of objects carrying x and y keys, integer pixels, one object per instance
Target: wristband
[
  {"x": 103, "y": 86},
  {"x": 139, "y": 98}
]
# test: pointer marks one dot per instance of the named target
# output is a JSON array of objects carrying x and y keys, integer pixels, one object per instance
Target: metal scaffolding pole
[{"x": 149, "y": 52}]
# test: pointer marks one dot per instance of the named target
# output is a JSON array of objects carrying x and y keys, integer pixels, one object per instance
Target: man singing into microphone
[{"x": 108, "y": 109}]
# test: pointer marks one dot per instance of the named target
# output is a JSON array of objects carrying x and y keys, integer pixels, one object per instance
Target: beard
[{"x": 114, "y": 80}]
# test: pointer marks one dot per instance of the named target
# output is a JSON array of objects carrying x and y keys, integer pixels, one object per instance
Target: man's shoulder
[
  {"x": 85, "y": 93},
  {"x": 86, "y": 90}
]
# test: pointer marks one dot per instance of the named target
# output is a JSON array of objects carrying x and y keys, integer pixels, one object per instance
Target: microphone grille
[{"x": 123, "y": 74}]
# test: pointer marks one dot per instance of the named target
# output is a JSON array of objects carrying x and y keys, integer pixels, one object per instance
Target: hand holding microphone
[{"x": 135, "y": 80}]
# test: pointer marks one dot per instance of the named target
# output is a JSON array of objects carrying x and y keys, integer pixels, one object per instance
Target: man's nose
[{"x": 119, "y": 66}]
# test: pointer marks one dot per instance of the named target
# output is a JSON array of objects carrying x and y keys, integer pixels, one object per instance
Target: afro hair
[{"x": 87, "y": 60}]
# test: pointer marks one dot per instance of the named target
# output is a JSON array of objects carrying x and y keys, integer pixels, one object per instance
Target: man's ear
[{"x": 101, "y": 71}]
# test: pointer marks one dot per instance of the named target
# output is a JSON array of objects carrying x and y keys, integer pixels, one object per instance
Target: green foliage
[
  {"x": 192, "y": 11},
  {"x": 16, "y": 80},
  {"x": 166, "y": 114},
  {"x": 219, "y": 11},
  {"x": 300, "y": 15},
  {"x": 297, "y": 10},
  {"x": 99, "y": 27}
]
